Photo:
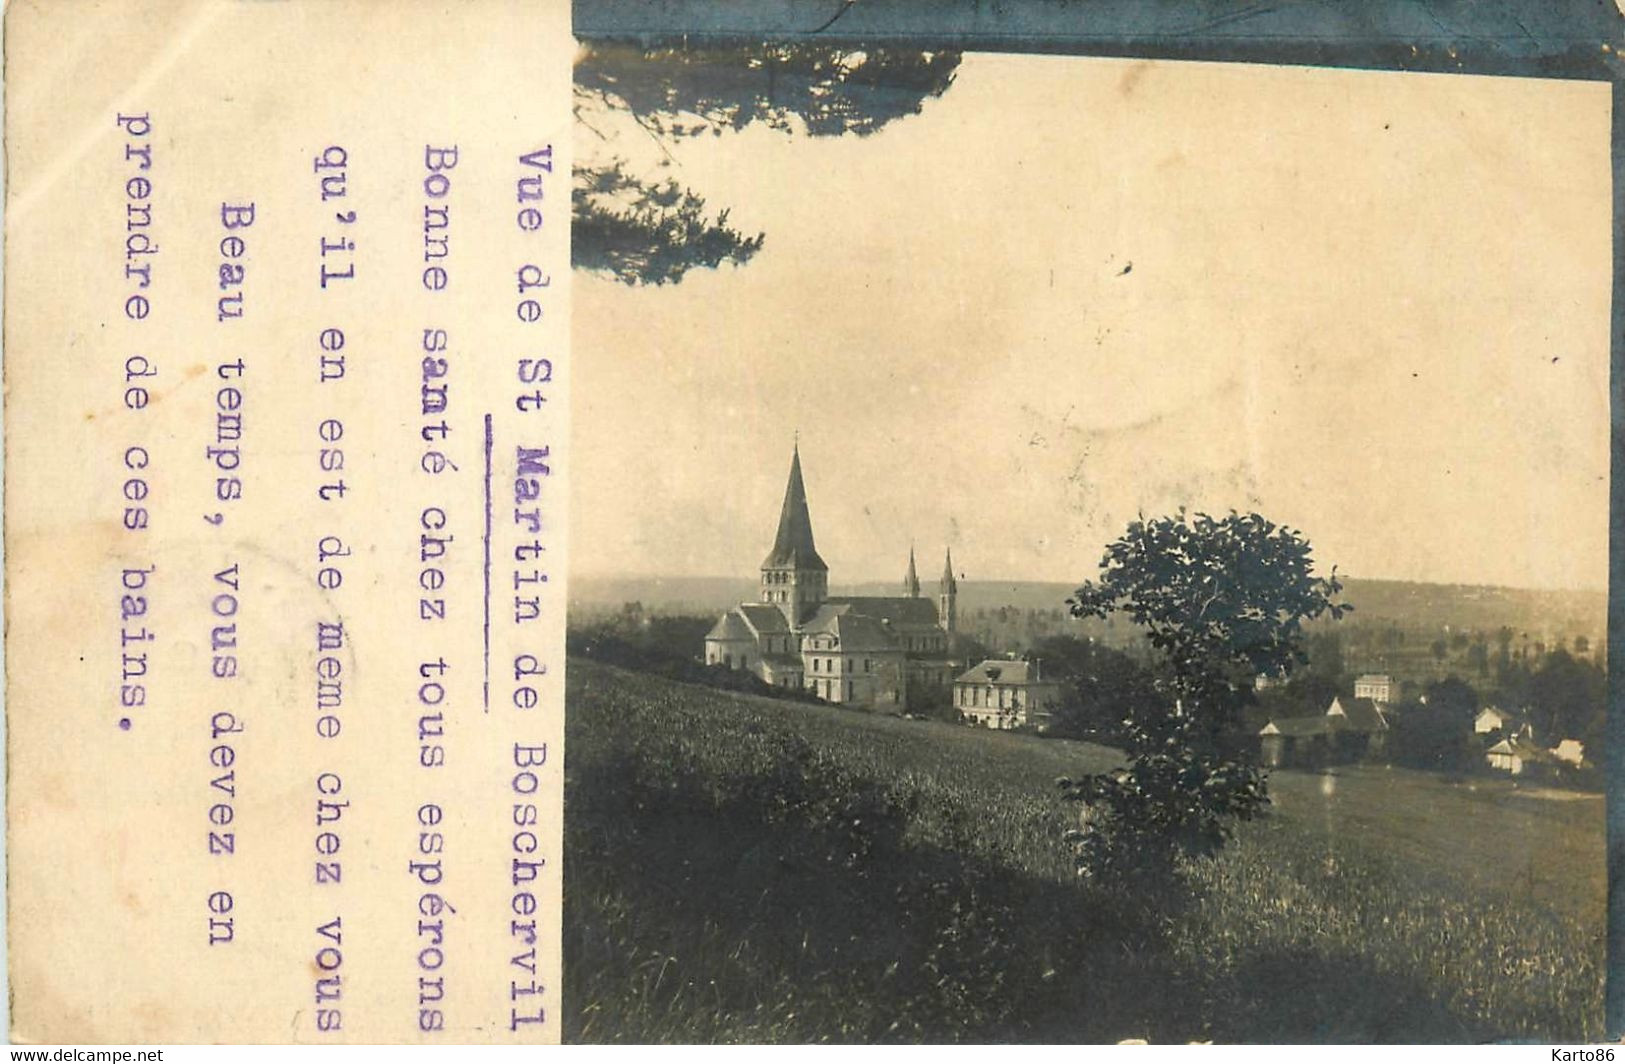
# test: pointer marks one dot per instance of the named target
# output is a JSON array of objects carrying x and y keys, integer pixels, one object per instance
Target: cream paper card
[
  {"x": 288, "y": 436},
  {"x": 286, "y": 335}
]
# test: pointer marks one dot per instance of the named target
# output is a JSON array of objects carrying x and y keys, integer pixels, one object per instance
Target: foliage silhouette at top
[
  {"x": 813, "y": 88},
  {"x": 1223, "y": 600},
  {"x": 642, "y": 231}
]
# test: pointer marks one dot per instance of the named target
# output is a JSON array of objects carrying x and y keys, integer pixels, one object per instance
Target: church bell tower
[{"x": 794, "y": 577}]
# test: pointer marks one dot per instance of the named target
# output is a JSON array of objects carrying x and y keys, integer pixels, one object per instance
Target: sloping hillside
[{"x": 742, "y": 869}]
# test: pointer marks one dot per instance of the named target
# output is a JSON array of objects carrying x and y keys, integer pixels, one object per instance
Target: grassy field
[{"x": 739, "y": 869}]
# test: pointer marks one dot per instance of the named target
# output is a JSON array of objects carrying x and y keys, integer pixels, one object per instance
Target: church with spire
[{"x": 872, "y": 651}]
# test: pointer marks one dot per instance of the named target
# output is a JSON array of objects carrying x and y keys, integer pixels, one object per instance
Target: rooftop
[
  {"x": 1001, "y": 672},
  {"x": 1298, "y": 727},
  {"x": 765, "y": 618},
  {"x": 1357, "y": 714},
  {"x": 793, "y": 546},
  {"x": 893, "y": 610}
]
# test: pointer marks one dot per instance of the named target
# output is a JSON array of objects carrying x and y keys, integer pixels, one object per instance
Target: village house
[
  {"x": 1360, "y": 716},
  {"x": 1571, "y": 752},
  {"x": 869, "y": 651},
  {"x": 1492, "y": 719},
  {"x": 1006, "y": 694},
  {"x": 1295, "y": 741},
  {"x": 1379, "y": 687},
  {"x": 1518, "y": 755},
  {"x": 1264, "y": 681},
  {"x": 1350, "y": 729}
]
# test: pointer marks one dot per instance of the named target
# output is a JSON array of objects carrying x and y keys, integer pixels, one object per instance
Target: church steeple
[
  {"x": 793, "y": 575},
  {"x": 793, "y": 546},
  {"x": 947, "y": 595},
  {"x": 911, "y": 582}
]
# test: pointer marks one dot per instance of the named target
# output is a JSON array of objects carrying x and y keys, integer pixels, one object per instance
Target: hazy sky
[{"x": 1372, "y": 306}]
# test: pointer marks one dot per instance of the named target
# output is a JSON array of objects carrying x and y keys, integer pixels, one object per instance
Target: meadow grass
[{"x": 741, "y": 869}]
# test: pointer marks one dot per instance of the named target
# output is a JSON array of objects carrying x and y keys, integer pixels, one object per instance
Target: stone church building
[{"x": 860, "y": 650}]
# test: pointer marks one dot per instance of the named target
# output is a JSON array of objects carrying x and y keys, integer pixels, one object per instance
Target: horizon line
[{"x": 1075, "y": 583}]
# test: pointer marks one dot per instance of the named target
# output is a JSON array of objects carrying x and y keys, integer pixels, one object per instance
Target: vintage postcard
[
  {"x": 1084, "y": 549},
  {"x": 979, "y": 523}
]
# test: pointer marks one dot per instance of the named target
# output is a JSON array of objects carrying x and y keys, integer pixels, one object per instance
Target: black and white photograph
[{"x": 1084, "y": 549}]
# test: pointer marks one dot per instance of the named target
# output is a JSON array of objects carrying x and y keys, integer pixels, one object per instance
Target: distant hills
[{"x": 1541, "y": 614}]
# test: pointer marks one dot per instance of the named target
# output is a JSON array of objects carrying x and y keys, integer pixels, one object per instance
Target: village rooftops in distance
[
  {"x": 1349, "y": 730},
  {"x": 1355, "y": 729},
  {"x": 869, "y": 651}
]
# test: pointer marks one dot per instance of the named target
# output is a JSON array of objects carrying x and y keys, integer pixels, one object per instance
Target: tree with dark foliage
[
  {"x": 1222, "y": 600},
  {"x": 650, "y": 231},
  {"x": 1102, "y": 687},
  {"x": 792, "y": 86},
  {"x": 1567, "y": 699},
  {"x": 640, "y": 232},
  {"x": 1437, "y": 732}
]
